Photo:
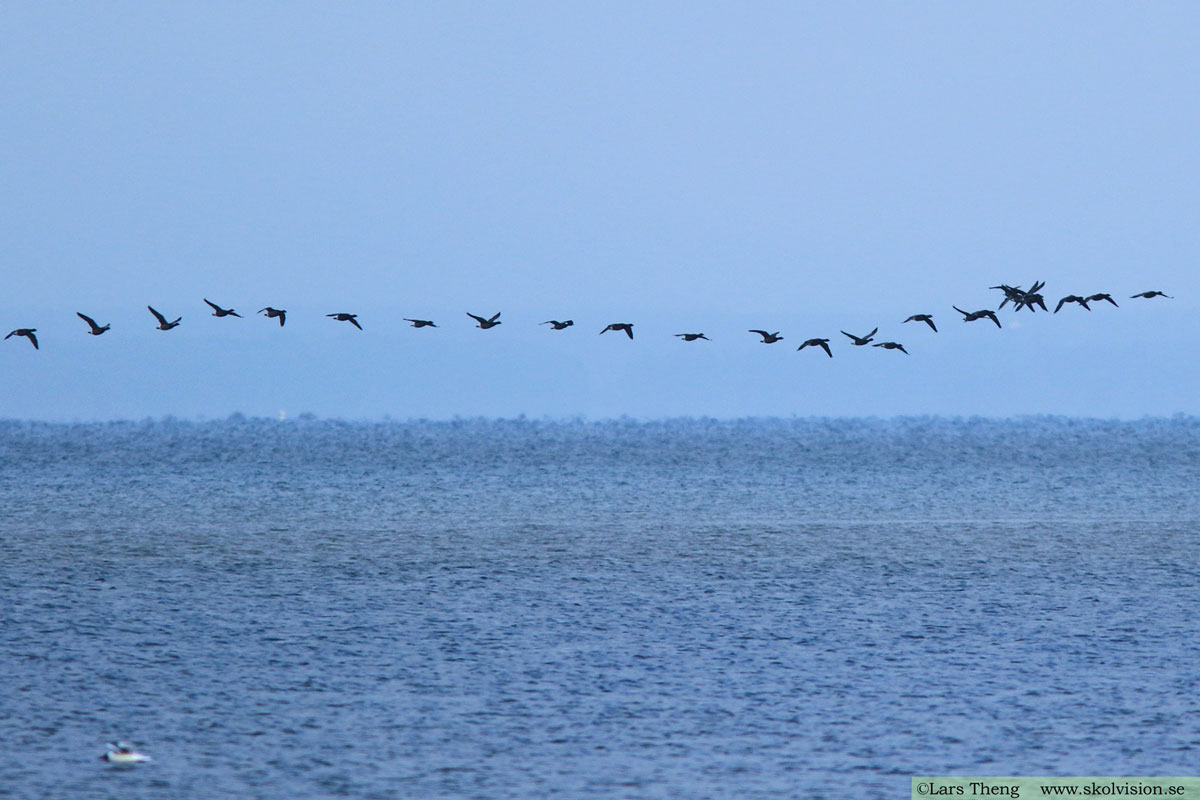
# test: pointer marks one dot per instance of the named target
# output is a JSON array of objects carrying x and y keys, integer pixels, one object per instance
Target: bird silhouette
[
  {"x": 1072, "y": 298},
  {"x": 926, "y": 318},
  {"x": 163, "y": 325},
  {"x": 421, "y": 323},
  {"x": 859, "y": 341},
  {"x": 891, "y": 346},
  {"x": 28, "y": 334},
  {"x": 620, "y": 326},
  {"x": 1148, "y": 295},
  {"x": 273, "y": 313},
  {"x": 1011, "y": 293},
  {"x": 343, "y": 317},
  {"x": 821, "y": 343},
  {"x": 484, "y": 324},
  {"x": 1030, "y": 300},
  {"x": 691, "y": 337},
  {"x": 221, "y": 312},
  {"x": 1102, "y": 296},
  {"x": 558, "y": 326},
  {"x": 767, "y": 338},
  {"x": 981, "y": 314},
  {"x": 96, "y": 330}
]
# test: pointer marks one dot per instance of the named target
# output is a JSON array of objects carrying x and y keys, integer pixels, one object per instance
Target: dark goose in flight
[
  {"x": 822, "y": 343},
  {"x": 1102, "y": 296},
  {"x": 274, "y": 312},
  {"x": 558, "y": 326},
  {"x": 1148, "y": 295},
  {"x": 981, "y": 314},
  {"x": 421, "y": 323},
  {"x": 1072, "y": 298},
  {"x": 1029, "y": 300},
  {"x": 221, "y": 312},
  {"x": 96, "y": 330},
  {"x": 620, "y": 326},
  {"x": 767, "y": 338},
  {"x": 343, "y": 317},
  {"x": 484, "y": 324},
  {"x": 859, "y": 341},
  {"x": 891, "y": 346},
  {"x": 926, "y": 318},
  {"x": 163, "y": 325},
  {"x": 28, "y": 334},
  {"x": 691, "y": 337}
]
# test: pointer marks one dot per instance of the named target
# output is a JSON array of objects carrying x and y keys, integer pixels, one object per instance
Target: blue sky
[{"x": 715, "y": 167}]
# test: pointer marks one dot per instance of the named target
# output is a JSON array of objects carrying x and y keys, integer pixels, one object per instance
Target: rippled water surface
[{"x": 755, "y": 609}]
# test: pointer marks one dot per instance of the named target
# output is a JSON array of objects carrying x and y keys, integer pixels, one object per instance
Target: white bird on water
[{"x": 123, "y": 753}]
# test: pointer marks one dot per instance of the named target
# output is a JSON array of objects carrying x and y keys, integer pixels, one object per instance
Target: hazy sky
[{"x": 801, "y": 167}]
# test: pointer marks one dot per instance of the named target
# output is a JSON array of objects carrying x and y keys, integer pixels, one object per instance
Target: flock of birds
[{"x": 1030, "y": 298}]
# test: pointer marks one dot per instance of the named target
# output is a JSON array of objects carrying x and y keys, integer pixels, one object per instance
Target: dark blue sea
[{"x": 517, "y": 609}]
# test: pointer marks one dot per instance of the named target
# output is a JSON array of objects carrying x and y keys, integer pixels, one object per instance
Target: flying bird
[
  {"x": 981, "y": 314},
  {"x": 1148, "y": 295},
  {"x": 1013, "y": 293},
  {"x": 691, "y": 337},
  {"x": 620, "y": 326},
  {"x": 767, "y": 338},
  {"x": 1021, "y": 297},
  {"x": 1102, "y": 296},
  {"x": 28, "y": 334},
  {"x": 859, "y": 341},
  {"x": 1072, "y": 298},
  {"x": 1029, "y": 300},
  {"x": 123, "y": 753},
  {"x": 484, "y": 324},
  {"x": 351, "y": 318},
  {"x": 891, "y": 346},
  {"x": 926, "y": 318},
  {"x": 421, "y": 323},
  {"x": 221, "y": 312},
  {"x": 163, "y": 325},
  {"x": 558, "y": 326},
  {"x": 274, "y": 312},
  {"x": 821, "y": 343},
  {"x": 96, "y": 330}
]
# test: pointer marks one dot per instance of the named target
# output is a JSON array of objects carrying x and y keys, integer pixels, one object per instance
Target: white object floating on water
[{"x": 123, "y": 753}]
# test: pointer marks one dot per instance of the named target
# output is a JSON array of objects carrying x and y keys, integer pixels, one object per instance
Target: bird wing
[
  {"x": 480, "y": 320},
  {"x": 763, "y": 334},
  {"x": 353, "y": 321},
  {"x": 282, "y": 318},
  {"x": 930, "y": 321},
  {"x": 1060, "y": 305},
  {"x": 825, "y": 347},
  {"x": 494, "y": 317},
  {"x": 213, "y": 305},
  {"x": 29, "y": 335},
  {"x": 872, "y": 333},
  {"x": 851, "y": 335},
  {"x": 161, "y": 319},
  {"x": 87, "y": 319},
  {"x": 628, "y": 330}
]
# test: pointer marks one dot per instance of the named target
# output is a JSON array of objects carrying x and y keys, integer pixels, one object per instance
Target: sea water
[{"x": 516, "y": 609}]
